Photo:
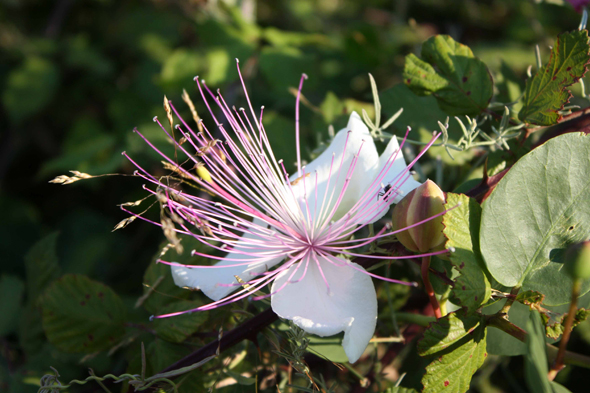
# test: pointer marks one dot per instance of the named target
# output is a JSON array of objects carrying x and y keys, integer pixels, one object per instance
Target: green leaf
[
  {"x": 190, "y": 382},
  {"x": 472, "y": 288},
  {"x": 557, "y": 388},
  {"x": 328, "y": 347},
  {"x": 332, "y": 108},
  {"x": 537, "y": 210},
  {"x": 280, "y": 139},
  {"x": 162, "y": 354},
  {"x": 159, "y": 289},
  {"x": 11, "y": 293},
  {"x": 219, "y": 66},
  {"x": 401, "y": 389},
  {"x": 446, "y": 331},
  {"x": 419, "y": 112},
  {"x": 242, "y": 380},
  {"x": 95, "y": 154},
  {"x": 423, "y": 115},
  {"x": 176, "y": 329},
  {"x": 82, "y": 315},
  {"x": 282, "y": 67},
  {"x": 181, "y": 66},
  {"x": 448, "y": 70},
  {"x": 29, "y": 88},
  {"x": 295, "y": 38},
  {"x": 546, "y": 92},
  {"x": 31, "y": 336},
  {"x": 536, "y": 358},
  {"x": 532, "y": 299},
  {"x": 163, "y": 296},
  {"x": 556, "y": 328},
  {"x": 500, "y": 342},
  {"x": 510, "y": 87},
  {"x": 41, "y": 265},
  {"x": 452, "y": 371}
]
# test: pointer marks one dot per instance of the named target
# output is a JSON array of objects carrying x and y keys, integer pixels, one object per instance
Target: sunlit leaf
[
  {"x": 537, "y": 210},
  {"x": 328, "y": 347},
  {"x": 461, "y": 83},
  {"x": 556, "y": 329},
  {"x": 536, "y": 358},
  {"x": 546, "y": 93},
  {"x": 472, "y": 288},
  {"x": 452, "y": 371},
  {"x": 447, "y": 331}
]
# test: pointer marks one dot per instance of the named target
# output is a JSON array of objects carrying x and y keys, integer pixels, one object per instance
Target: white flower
[{"x": 306, "y": 221}]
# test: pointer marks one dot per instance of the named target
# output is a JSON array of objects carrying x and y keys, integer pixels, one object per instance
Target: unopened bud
[
  {"x": 577, "y": 260},
  {"x": 421, "y": 204}
]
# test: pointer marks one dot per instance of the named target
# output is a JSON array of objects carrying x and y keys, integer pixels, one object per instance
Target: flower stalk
[{"x": 424, "y": 269}]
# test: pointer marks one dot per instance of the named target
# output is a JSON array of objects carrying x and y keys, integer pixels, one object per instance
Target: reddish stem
[
  {"x": 428, "y": 286},
  {"x": 558, "y": 364}
]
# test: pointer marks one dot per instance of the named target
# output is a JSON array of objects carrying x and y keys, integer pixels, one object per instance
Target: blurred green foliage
[{"x": 77, "y": 77}]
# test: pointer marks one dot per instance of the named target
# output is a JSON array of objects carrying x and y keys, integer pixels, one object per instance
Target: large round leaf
[
  {"x": 539, "y": 208},
  {"x": 81, "y": 315}
]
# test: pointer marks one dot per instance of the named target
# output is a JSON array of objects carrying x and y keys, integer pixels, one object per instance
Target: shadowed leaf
[
  {"x": 11, "y": 293},
  {"x": 41, "y": 265},
  {"x": 82, "y": 315},
  {"x": 30, "y": 87},
  {"x": 177, "y": 329}
]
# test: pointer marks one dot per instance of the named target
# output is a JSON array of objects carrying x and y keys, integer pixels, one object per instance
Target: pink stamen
[
  {"x": 297, "y": 142},
  {"x": 411, "y": 284},
  {"x": 248, "y": 182}
]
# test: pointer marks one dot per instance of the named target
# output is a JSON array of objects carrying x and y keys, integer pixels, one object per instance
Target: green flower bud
[
  {"x": 420, "y": 204},
  {"x": 577, "y": 260}
]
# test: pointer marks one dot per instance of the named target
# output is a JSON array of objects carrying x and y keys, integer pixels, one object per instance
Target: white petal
[
  {"x": 351, "y": 305},
  {"x": 207, "y": 280},
  {"x": 339, "y": 157},
  {"x": 398, "y": 167},
  {"x": 396, "y": 172}
]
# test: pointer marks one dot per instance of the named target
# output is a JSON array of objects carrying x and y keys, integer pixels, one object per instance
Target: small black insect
[{"x": 384, "y": 191}]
